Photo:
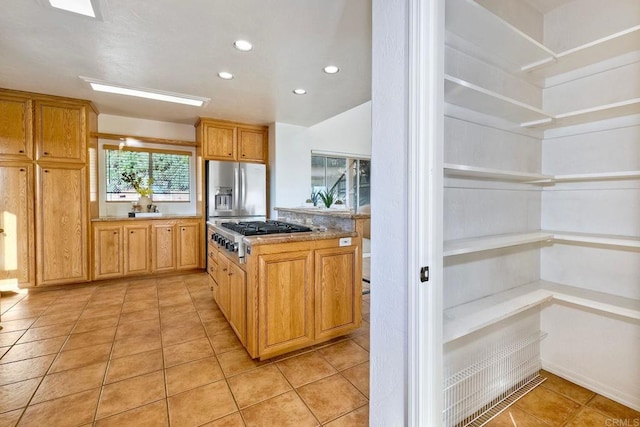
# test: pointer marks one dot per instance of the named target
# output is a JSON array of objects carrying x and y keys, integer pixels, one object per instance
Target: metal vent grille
[{"x": 500, "y": 373}]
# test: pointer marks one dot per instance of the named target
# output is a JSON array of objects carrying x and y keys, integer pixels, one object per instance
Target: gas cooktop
[{"x": 256, "y": 228}]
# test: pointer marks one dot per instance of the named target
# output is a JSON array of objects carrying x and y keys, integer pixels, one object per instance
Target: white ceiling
[
  {"x": 180, "y": 46},
  {"x": 545, "y": 6}
]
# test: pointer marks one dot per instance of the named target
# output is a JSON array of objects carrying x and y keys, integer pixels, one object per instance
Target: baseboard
[{"x": 586, "y": 382}]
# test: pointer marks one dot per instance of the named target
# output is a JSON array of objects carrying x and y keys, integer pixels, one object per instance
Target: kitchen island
[{"x": 289, "y": 291}]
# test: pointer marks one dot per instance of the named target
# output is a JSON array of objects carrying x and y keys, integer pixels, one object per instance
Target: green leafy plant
[
  {"x": 134, "y": 179},
  {"x": 327, "y": 197}
]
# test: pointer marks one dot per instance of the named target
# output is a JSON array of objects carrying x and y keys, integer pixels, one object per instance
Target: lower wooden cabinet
[
  {"x": 337, "y": 307},
  {"x": 107, "y": 246},
  {"x": 135, "y": 247},
  {"x": 286, "y": 301},
  {"x": 163, "y": 247},
  {"x": 16, "y": 224},
  {"x": 222, "y": 278},
  {"x": 288, "y": 296},
  {"x": 188, "y": 244},
  {"x": 137, "y": 259},
  {"x": 238, "y": 301}
]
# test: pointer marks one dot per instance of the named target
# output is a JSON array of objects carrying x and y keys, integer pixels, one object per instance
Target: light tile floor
[
  {"x": 558, "y": 402},
  {"x": 159, "y": 352}
]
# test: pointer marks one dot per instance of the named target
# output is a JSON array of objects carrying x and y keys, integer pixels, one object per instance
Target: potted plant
[
  {"x": 327, "y": 197},
  {"x": 134, "y": 179}
]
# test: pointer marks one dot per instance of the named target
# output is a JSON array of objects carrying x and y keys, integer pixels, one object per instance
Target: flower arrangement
[{"x": 134, "y": 179}]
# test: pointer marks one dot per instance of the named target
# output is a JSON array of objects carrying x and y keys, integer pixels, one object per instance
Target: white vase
[{"x": 144, "y": 202}]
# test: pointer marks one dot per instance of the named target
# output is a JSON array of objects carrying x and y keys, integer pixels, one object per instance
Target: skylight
[{"x": 83, "y": 7}]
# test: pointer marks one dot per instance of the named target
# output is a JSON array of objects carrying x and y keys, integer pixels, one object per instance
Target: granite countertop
[
  {"x": 339, "y": 213},
  {"x": 152, "y": 218},
  {"x": 272, "y": 239}
]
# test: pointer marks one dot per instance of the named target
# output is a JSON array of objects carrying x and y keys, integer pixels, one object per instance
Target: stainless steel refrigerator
[{"x": 236, "y": 190}]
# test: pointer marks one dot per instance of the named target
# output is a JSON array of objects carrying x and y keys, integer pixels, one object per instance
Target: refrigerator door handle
[
  {"x": 243, "y": 184},
  {"x": 236, "y": 188}
]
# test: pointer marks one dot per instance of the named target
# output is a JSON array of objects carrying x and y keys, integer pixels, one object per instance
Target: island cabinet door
[
  {"x": 285, "y": 308},
  {"x": 222, "y": 278},
  {"x": 238, "y": 302},
  {"x": 338, "y": 291}
]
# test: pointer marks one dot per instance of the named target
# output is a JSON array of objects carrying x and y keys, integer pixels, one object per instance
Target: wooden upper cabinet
[
  {"x": 252, "y": 147},
  {"x": 61, "y": 131},
  {"x": 62, "y": 224},
  {"x": 16, "y": 223},
  {"x": 222, "y": 140},
  {"x": 16, "y": 127}
]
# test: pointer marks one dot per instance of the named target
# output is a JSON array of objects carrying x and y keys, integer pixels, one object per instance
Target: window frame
[{"x": 150, "y": 151}]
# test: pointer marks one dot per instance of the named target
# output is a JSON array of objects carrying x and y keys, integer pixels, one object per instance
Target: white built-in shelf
[
  {"x": 467, "y": 95},
  {"x": 590, "y": 53},
  {"x": 485, "y": 243},
  {"x": 601, "y": 301},
  {"x": 473, "y": 97},
  {"x": 600, "y": 112},
  {"x": 469, "y": 21},
  {"x": 475, "y": 315},
  {"x": 497, "y": 174},
  {"x": 604, "y": 176},
  {"x": 595, "y": 239},
  {"x": 473, "y": 27}
]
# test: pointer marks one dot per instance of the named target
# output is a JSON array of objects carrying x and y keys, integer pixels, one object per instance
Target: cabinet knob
[
  {"x": 229, "y": 154},
  {"x": 169, "y": 230},
  {"x": 1, "y": 230},
  {"x": 131, "y": 232},
  {"x": 224, "y": 269},
  {"x": 22, "y": 169},
  {"x": 46, "y": 153},
  {"x": 183, "y": 229},
  {"x": 21, "y": 151},
  {"x": 115, "y": 232},
  {"x": 46, "y": 171},
  {"x": 243, "y": 155}
]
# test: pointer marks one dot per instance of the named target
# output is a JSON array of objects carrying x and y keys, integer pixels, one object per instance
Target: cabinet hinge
[{"x": 424, "y": 274}]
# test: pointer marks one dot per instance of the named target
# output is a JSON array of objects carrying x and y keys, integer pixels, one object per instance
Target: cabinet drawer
[{"x": 212, "y": 267}]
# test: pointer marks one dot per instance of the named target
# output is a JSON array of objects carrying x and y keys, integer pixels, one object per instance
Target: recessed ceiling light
[
  {"x": 225, "y": 75},
  {"x": 300, "y": 91},
  {"x": 331, "y": 69},
  {"x": 242, "y": 45},
  {"x": 83, "y": 7},
  {"x": 158, "y": 95}
]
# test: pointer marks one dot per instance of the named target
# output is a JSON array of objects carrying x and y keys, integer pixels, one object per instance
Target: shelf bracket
[{"x": 424, "y": 274}]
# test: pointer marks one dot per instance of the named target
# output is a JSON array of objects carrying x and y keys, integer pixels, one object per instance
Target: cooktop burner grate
[{"x": 255, "y": 228}]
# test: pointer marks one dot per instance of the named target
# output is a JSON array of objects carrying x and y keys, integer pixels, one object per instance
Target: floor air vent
[{"x": 503, "y": 374}]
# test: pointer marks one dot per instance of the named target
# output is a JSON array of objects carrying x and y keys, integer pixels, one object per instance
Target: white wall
[
  {"x": 348, "y": 132},
  {"x": 289, "y": 166},
  {"x": 148, "y": 128},
  {"x": 290, "y": 147}
]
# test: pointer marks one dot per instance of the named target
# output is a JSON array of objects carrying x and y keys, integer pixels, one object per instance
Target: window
[
  {"x": 348, "y": 177},
  {"x": 169, "y": 171}
]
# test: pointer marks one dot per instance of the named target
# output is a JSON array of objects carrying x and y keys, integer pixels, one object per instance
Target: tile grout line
[
  {"x": 54, "y": 359},
  {"x": 296, "y": 391}
]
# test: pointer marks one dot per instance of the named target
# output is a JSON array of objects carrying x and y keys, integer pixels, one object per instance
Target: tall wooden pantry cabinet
[
  {"x": 45, "y": 145},
  {"x": 541, "y": 199}
]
